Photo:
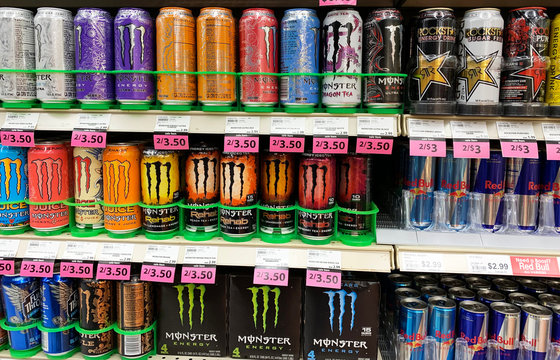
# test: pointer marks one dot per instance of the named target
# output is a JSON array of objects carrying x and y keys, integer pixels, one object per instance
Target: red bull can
[
  {"x": 521, "y": 299},
  {"x": 476, "y": 283},
  {"x": 504, "y": 328},
  {"x": 505, "y": 285},
  {"x": 488, "y": 297},
  {"x": 430, "y": 291},
  {"x": 460, "y": 294},
  {"x": 413, "y": 326},
  {"x": 549, "y": 300},
  {"x": 421, "y": 183},
  {"x": 522, "y": 179},
  {"x": 532, "y": 287},
  {"x": 449, "y": 282},
  {"x": 550, "y": 185},
  {"x": 425, "y": 280},
  {"x": 441, "y": 326},
  {"x": 536, "y": 329},
  {"x": 489, "y": 182},
  {"x": 454, "y": 180},
  {"x": 473, "y": 327},
  {"x": 555, "y": 324}
]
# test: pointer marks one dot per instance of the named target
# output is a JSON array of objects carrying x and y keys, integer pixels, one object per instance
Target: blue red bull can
[
  {"x": 505, "y": 285},
  {"x": 473, "y": 327},
  {"x": 553, "y": 286},
  {"x": 555, "y": 325},
  {"x": 431, "y": 291},
  {"x": 450, "y": 282},
  {"x": 522, "y": 179},
  {"x": 454, "y": 180},
  {"x": 421, "y": 183},
  {"x": 400, "y": 295},
  {"x": 396, "y": 281},
  {"x": 488, "y": 297},
  {"x": 460, "y": 294},
  {"x": 413, "y": 326},
  {"x": 476, "y": 283},
  {"x": 425, "y": 280},
  {"x": 550, "y": 185},
  {"x": 504, "y": 328},
  {"x": 520, "y": 299},
  {"x": 532, "y": 287},
  {"x": 489, "y": 182},
  {"x": 549, "y": 300},
  {"x": 13, "y": 188},
  {"x": 536, "y": 329},
  {"x": 441, "y": 325}
]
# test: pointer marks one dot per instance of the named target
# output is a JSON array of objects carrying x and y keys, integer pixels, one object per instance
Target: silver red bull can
[{"x": 536, "y": 329}]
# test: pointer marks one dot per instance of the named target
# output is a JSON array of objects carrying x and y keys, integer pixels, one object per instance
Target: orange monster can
[
  {"x": 121, "y": 186},
  {"x": 176, "y": 51},
  {"x": 215, "y": 38}
]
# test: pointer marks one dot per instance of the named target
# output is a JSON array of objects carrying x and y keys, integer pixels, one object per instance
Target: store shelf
[
  {"x": 193, "y": 4},
  {"x": 474, "y": 4}
]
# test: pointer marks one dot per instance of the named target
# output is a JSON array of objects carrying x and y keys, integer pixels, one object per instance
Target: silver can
[
  {"x": 17, "y": 51},
  {"x": 342, "y": 53},
  {"x": 54, "y": 50}
]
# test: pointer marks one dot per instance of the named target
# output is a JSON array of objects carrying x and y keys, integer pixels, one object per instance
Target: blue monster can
[
  {"x": 413, "y": 326},
  {"x": 551, "y": 186},
  {"x": 454, "y": 180},
  {"x": 441, "y": 325},
  {"x": 473, "y": 327},
  {"x": 22, "y": 304},
  {"x": 60, "y": 308},
  {"x": 299, "y": 53},
  {"x": 420, "y": 181},
  {"x": 504, "y": 328},
  {"x": 536, "y": 329},
  {"x": 522, "y": 179},
  {"x": 13, "y": 188},
  {"x": 489, "y": 181},
  {"x": 555, "y": 324}
]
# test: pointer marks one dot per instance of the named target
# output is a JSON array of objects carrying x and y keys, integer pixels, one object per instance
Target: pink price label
[
  {"x": 37, "y": 268},
  {"x": 287, "y": 144},
  {"x": 157, "y": 273},
  {"x": 76, "y": 270},
  {"x": 330, "y": 145},
  {"x": 275, "y": 277},
  {"x": 171, "y": 142},
  {"x": 113, "y": 272},
  {"x": 471, "y": 149},
  {"x": 534, "y": 266},
  {"x": 514, "y": 149},
  {"x": 198, "y": 275},
  {"x": 18, "y": 138},
  {"x": 241, "y": 144},
  {"x": 435, "y": 148},
  {"x": 93, "y": 139},
  {"x": 337, "y": 2},
  {"x": 552, "y": 151},
  {"x": 323, "y": 279},
  {"x": 7, "y": 267},
  {"x": 374, "y": 146}
]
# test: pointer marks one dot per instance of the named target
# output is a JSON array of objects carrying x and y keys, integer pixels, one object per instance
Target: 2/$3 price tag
[
  {"x": 375, "y": 135},
  {"x": 8, "y": 251},
  {"x": 114, "y": 261},
  {"x": 19, "y": 129},
  {"x": 78, "y": 260},
  {"x": 551, "y": 132},
  {"x": 39, "y": 258},
  {"x": 330, "y": 135},
  {"x": 91, "y": 130},
  {"x": 199, "y": 265},
  {"x": 159, "y": 263},
  {"x": 245, "y": 134},
  {"x": 271, "y": 267},
  {"x": 287, "y": 134},
  {"x": 323, "y": 269},
  {"x": 517, "y": 139},
  {"x": 170, "y": 132},
  {"x": 470, "y": 139},
  {"x": 427, "y": 137}
]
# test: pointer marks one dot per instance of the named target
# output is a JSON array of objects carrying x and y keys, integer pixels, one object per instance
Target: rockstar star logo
[
  {"x": 476, "y": 71},
  {"x": 428, "y": 71},
  {"x": 536, "y": 71}
]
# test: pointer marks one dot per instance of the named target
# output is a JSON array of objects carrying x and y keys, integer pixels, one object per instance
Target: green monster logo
[
  {"x": 265, "y": 296},
  {"x": 190, "y": 292}
]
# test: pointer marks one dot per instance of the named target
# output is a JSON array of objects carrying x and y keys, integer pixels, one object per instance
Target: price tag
[
  {"x": 427, "y": 137},
  {"x": 470, "y": 139},
  {"x": 489, "y": 264},
  {"x": 8, "y": 251},
  {"x": 245, "y": 134},
  {"x": 170, "y": 132},
  {"x": 115, "y": 261},
  {"x": 37, "y": 268},
  {"x": 198, "y": 274},
  {"x": 19, "y": 129},
  {"x": 551, "y": 132},
  {"x": 79, "y": 270},
  {"x": 330, "y": 135},
  {"x": 323, "y": 269},
  {"x": 337, "y": 2},
  {"x": 422, "y": 262},
  {"x": 157, "y": 273},
  {"x": 91, "y": 130},
  {"x": 517, "y": 139},
  {"x": 287, "y": 134},
  {"x": 534, "y": 266},
  {"x": 79, "y": 260},
  {"x": 113, "y": 271},
  {"x": 18, "y": 138},
  {"x": 271, "y": 267},
  {"x": 159, "y": 263},
  {"x": 199, "y": 265},
  {"x": 39, "y": 258},
  {"x": 118, "y": 252},
  {"x": 375, "y": 135},
  {"x": 241, "y": 144}
]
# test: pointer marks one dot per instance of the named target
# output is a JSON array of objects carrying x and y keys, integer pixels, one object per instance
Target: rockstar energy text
[
  {"x": 13, "y": 188},
  {"x": 96, "y": 313},
  {"x": 88, "y": 186},
  {"x": 553, "y": 79}
]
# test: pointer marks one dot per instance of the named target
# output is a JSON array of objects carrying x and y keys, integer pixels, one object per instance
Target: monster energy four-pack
[
  {"x": 342, "y": 324},
  {"x": 264, "y": 321},
  {"x": 192, "y": 318}
]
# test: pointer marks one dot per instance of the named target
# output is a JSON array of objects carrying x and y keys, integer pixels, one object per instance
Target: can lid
[
  {"x": 442, "y": 302},
  {"x": 533, "y": 285},
  {"x": 399, "y": 278},
  {"x": 529, "y": 8},
  {"x": 549, "y": 300},
  {"x": 405, "y": 292},
  {"x": 433, "y": 290},
  {"x": 264, "y": 10},
  {"x": 312, "y": 11},
  {"x": 452, "y": 282},
  {"x": 414, "y": 304},
  {"x": 16, "y": 9},
  {"x": 491, "y": 295},
  {"x": 461, "y": 292},
  {"x": 522, "y": 298},
  {"x": 474, "y": 306},
  {"x": 437, "y": 8},
  {"x": 47, "y": 8},
  {"x": 213, "y": 8},
  {"x": 505, "y": 284},
  {"x": 175, "y": 8},
  {"x": 482, "y": 9},
  {"x": 536, "y": 310},
  {"x": 505, "y": 308},
  {"x": 122, "y": 144}
]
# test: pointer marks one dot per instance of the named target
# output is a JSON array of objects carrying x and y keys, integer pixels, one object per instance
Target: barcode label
[
  {"x": 284, "y": 82},
  {"x": 132, "y": 345}
]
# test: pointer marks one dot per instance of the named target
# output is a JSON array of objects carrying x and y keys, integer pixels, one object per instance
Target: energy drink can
[
  {"x": 258, "y": 48},
  {"x": 522, "y": 179},
  {"x": 354, "y": 193},
  {"x": 555, "y": 337},
  {"x": 134, "y": 50},
  {"x": 342, "y": 53},
  {"x": 239, "y": 188},
  {"x": 317, "y": 190},
  {"x": 88, "y": 187},
  {"x": 54, "y": 50},
  {"x": 553, "y": 285},
  {"x": 425, "y": 280},
  {"x": 488, "y": 297},
  {"x": 480, "y": 62},
  {"x": 215, "y": 40},
  {"x": 421, "y": 183},
  {"x": 473, "y": 327},
  {"x": 13, "y": 166},
  {"x": 93, "y": 33},
  {"x": 97, "y": 312},
  {"x": 176, "y": 51},
  {"x": 520, "y": 299},
  {"x": 441, "y": 325},
  {"x": 135, "y": 311},
  {"x": 504, "y": 328},
  {"x": 413, "y": 326},
  {"x": 160, "y": 186},
  {"x": 202, "y": 175},
  {"x": 460, "y": 294},
  {"x": 505, "y": 286},
  {"x": 553, "y": 75},
  {"x": 121, "y": 186},
  {"x": 278, "y": 184},
  {"x": 550, "y": 185},
  {"x": 393, "y": 283},
  {"x": 489, "y": 182},
  {"x": 532, "y": 287},
  {"x": 448, "y": 283},
  {"x": 430, "y": 291},
  {"x": 384, "y": 34},
  {"x": 399, "y": 295},
  {"x": 536, "y": 329},
  {"x": 48, "y": 172},
  {"x": 476, "y": 283},
  {"x": 454, "y": 181},
  {"x": 299, "y": 53},
  {"x": 18, "y": 52},
  {"x": 549, "y": 300}
]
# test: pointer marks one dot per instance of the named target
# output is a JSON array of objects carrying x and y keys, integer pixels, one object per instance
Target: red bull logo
[
  {"x": 476, "y": 342},
  {"x": 489, "y": 185},
  {"x": 505, "y": 341},
  {"x": 448, "y": 336},
  {"x": 419, "y": 183}
]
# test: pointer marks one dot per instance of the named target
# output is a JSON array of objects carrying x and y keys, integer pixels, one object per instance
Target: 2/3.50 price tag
[
  {"x": 427, "y": 137},
  {"x": 271, "y": 267},
  {"x": 91, "y": 130},
  {"x": 375, "y": 135},
  {"x": 79, "y": 257},
  {"x": 517, "y": 139},
  {"x": 470, "y": 139},
  {"x": 8, "y": 251},
  {"x": 39, "y": 258},
  {"x": 323, "y": 269},
  {"x": 199, "y": 265},
  {"x": 159, "y": 263},
  {"x": 171, "y": 132},
  {"x": 114, "y": 261},
  {"x": 245, "y": 134},
  {"x": 551, "y": 132},
  {"x": 330, "y": 135},
  {"x": 19, "y": 129},
  {"x": 287, "y": 134}
]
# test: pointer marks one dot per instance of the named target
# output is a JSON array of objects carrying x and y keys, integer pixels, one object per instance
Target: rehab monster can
[
  {"x": 160, "y": 186},
  {"x": 202, "y": 175},
  {"x": 239, "y": 188},
  {"x": 13, "y": 169},
  {"x": 97, "y": 312},
  {"x": 553, "y": 75},
  {"x": 88, "y": 187},
  {"x": 316, "y": 191},
  {"x": 121, "y": 186},
  {"x": 278, "y": 178},
  {"x": 48, "y": 172}
]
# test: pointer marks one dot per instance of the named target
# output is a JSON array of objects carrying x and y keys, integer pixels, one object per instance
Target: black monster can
[
  {"x": 384, "y": 33},
  {"x": 97, "y": 313}
]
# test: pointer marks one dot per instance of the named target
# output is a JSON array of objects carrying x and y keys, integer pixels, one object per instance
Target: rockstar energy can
[
  {"x": 160, "y": 186},
  {"x": 215, "y": 39},
  {"x": 135, "y": 311},
  {"x": 121, "y": 186},
  {"x": 553, "y": 80},
  {"x": 202, "y": 177},
  {"x": 176, "y": 51},
  {"x": 88, "y": 186},
  {"x": 278, "y": 177},
  {"x": 317, "y": 189},
  {"x": 238, "y": 188},
  {"x": 48, "y": 173},
  {"x": 97, "y": 313}
]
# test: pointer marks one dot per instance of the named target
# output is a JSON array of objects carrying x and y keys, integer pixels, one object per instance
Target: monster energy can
[
  {"x": 354, "y": 193},
  {"x": 97, "y": 312},
  {"x": 88, "y": 186}
]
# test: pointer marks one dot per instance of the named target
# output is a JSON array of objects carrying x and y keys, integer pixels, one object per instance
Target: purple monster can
[
  {"x": 93, "y": 30},
  {"x": 134, "y": 50}
]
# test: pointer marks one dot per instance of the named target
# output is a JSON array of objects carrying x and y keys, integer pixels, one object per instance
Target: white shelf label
[
  {"x": 330, "y": 126},
  {"x": 247, "y": 125},
  {"x": 376, "y": 126},
  {"x": 551, "y": 131},
  {"x": 84, "y": 251},
  {"x": 324, "y": 259},
  {"x": 172, "y": 123},
  {"x": 93, "y": 121},
  {"x": 422, "y": 128},
  {"x": 515, "y": 130},
  {"x": 469, "y": 129},
  {"x": 201, "y": 255},
  {"x": 489, "y": 264},
  {"x": 119, "y": 252},
  {"x": 276, "y": 258},
  {"x": 46, "y": 250},
  {"x": 423, "y": 262},
  {"x": 8, "y": 248},
  {"x": 164, "y": 254},
  {"x": 21, "y": 120},
  {"x": 287, "y": 125}
]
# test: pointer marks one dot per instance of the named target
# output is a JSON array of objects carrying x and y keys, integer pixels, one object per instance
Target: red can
[
  {"x": 258, "y": 40},
  {"x": 48, "y": 175}
]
